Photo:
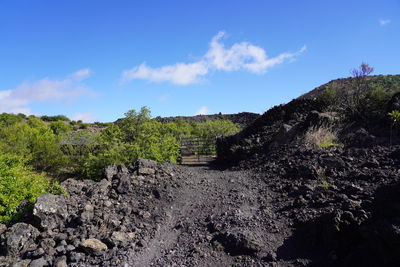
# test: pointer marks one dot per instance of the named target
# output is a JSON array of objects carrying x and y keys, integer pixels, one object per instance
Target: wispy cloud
[
  {"x": 85, "y": 117},
  {"x": 384, "y": 22},
  {"x": 180, "y": 73},
  {"x": 202, "y": 111},
  {"x": 17, "y": 100},
  {"x": 240, "y": 56}
]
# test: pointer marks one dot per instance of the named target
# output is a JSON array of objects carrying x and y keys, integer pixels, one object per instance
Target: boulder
[
  {"x": 321, "y": 119},
  {"x": 110, "y": 171},
  {"x": 20, "y": 237},
  {"x": 50, "y": 211},
  {"x": 239, "y": 243},
  {"x": 41, "y": 262},
  {"x": 121, "y": 238},
  {"x": 124, "y": 183},
  {"x": 93, "y": 246},
  {"x": 146, "y": 166}
]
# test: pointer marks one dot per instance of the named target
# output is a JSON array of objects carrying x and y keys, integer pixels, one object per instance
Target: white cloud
[
  {"x": 243, "y": 56},
  {"x": 85, "y": 117},
  {"x": 203, "y": 111},
  {"x": 180, "y": 73},
  {"x": 18, "y": 99},
  {"x": 81, "y": 74},
  {"x": 240, "y": 56},
  {"x": 383, "y": 22}
]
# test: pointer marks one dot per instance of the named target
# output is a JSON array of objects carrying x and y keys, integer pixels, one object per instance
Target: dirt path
[{"x": 216, "y": 215}]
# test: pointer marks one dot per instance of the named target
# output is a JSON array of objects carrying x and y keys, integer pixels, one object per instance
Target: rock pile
[
  {"x": 96, "y": 223},
  {"x": 341, "y": 199}
]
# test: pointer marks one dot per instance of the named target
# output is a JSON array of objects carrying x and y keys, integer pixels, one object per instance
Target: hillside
[
  {"x": 388, "y": 82},
  {"x": 308, "y": 183},
  {"x": 243, "y": 119}
]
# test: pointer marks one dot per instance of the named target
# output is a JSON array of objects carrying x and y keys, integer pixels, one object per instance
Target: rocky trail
[{"x": 193, "y": 234}]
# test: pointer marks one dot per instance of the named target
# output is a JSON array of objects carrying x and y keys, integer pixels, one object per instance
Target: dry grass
[{"x": 321, "y": 137}]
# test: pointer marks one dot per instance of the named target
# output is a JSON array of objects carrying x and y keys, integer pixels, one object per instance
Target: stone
[
  {"x": 121, "y": 238},
  {"x": 22, "y": 263},
  {"x": 76, "y": 257},
  {"x": 146, "y": 171},
  {"x": 93, "y": 246},
  {"x": 47, "y": 244},
  {"x": 239, "y": 243},
  {"x": 50, "y": 211},
  {"x": 3, "y": 228},
  {"x": 19, "y": 237},
  {"x": 124, "y": 184},
  {"x": 110, "y": 171},
  {"x": 61, "y": 262},
  {"x": 41, "y": 262},
  {"x": 145, "y": 166},
  {"x": 87, "y": 216}
]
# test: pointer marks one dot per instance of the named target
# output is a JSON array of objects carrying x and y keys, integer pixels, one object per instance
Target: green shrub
[
  {"x": 35, "y": 141},
  {"x": 329, "y": 96},
  {"x": 19, "y": 183},
  {"x": 59, "y": 127},
  {"x": 55, "y": 118},
  {"x": 10, "y": 119}
]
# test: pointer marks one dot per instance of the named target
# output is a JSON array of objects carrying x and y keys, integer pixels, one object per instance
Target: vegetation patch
[{"x": 20, "y": 186}]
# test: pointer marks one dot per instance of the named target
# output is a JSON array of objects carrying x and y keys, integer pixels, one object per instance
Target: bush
[
  {"x": 329, "y": 96},
  {"x": 59, "y": 127},
  {"x": 321, "y": 137},
  {"x": 135, "y": 136},
  {"x": 10, "y": 119},
  {"x": 55, "y": 118},
  {"x": 34, "y": 141},
  {"x": 18, "y": 184}
]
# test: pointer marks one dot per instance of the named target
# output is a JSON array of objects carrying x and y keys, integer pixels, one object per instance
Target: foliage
[
  {"x": 329, "y": 96},
  {"x": 67, "y": 148},
  {"x": 59, "y": 127},
  {"x": 33, "y": 140},
  {"x": 9, "y": 119},
  {"x": 394, "y": 116},
  {"x": 18, "y": 183},
  {"x": 55, "y": 118},
  {"x": 373, "y": 105},
  {"x": 325, "y": 185},
  {"x": 135, "y": 136}
]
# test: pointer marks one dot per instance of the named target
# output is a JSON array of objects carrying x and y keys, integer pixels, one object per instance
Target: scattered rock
[
  {"x": 20, "y": 237},
  {"x": 93, "y": 246},
  {"x": 50, "y": 211},
  {"x": 121, "y": 238}
]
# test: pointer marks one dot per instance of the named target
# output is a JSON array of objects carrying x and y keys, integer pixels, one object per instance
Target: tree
[{"x": 358, "y": 89}]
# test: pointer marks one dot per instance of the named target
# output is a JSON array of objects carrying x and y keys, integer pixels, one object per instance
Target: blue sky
[{"x": 94, "y": 60}]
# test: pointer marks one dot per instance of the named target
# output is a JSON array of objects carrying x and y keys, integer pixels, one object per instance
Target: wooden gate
[{"x": 197, "y": 150}]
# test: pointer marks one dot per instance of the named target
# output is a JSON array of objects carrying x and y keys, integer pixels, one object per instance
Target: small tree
[{"x": 354, "y": 96}]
